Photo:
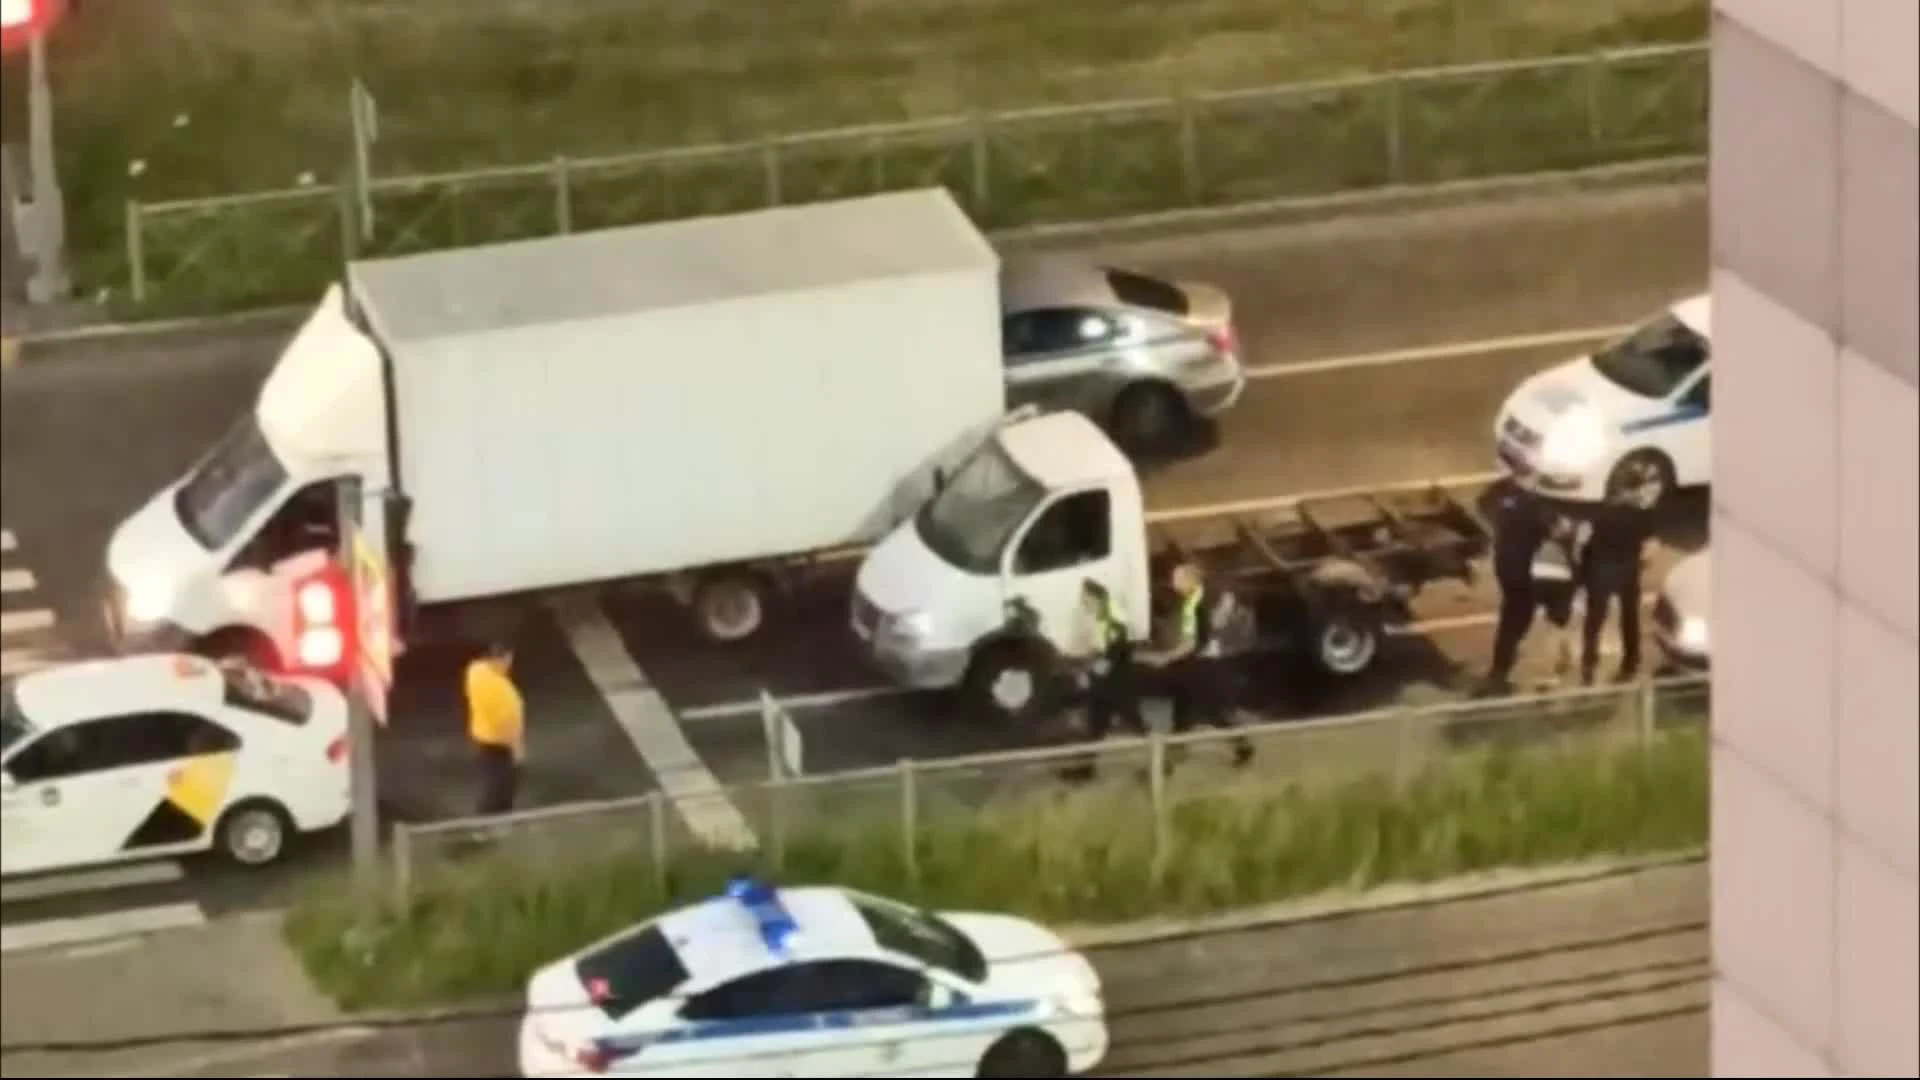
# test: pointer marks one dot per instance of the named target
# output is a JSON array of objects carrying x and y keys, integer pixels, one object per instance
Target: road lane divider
[
  {"x": 650, "y": 725},
  {"x": 87, "y": 929},
  {"x": 1450, "y": 350},
  {"x": 101, "y": 879}
]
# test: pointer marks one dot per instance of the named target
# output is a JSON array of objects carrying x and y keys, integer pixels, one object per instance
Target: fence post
[
  {"x": 1592, "y": 71},
  {"x": 136, "y": 252},
  {"x": 657, "y": 837},
  {"x": 1649, "y": 698},
  {"x": 1189, "y": 147},
  {"x": 777, "y": 812},
  {"x": 909, "y": 821},
  {"x": 1395, "y": 124},
  {"x": 402, "y": 856},
  {"x": 562, "y": 195},
  {"x": 1157, "y": 799},
  {"x": 349, "y": 230},
  {"x": 770, "y": 164},
  {"x": 978, "y": 148}
]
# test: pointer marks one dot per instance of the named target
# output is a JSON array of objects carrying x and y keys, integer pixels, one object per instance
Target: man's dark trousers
[{"x": 499, "y": 776}]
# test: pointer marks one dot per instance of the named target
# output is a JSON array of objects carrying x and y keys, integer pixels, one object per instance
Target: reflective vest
[{"x": 1194, "y": 628}]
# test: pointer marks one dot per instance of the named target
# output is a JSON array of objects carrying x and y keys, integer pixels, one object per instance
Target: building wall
[{"x": 1815, "y": 210}]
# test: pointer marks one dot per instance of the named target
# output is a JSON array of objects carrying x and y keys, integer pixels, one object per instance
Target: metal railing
[
  {"x": 910, "y": 799},
  {"x": 1408, "y": 129}
]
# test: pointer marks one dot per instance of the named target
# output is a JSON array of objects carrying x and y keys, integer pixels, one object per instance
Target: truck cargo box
[{"x": 655, "y": 398}]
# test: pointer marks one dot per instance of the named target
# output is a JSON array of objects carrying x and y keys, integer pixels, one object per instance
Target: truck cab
[
  {"x": 1044, "y": 505},
  {"x": 208, "y": 563}
]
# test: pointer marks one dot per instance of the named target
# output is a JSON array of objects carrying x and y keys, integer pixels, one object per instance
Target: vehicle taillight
[
  {"x": 1222, "y": 340},
  {"x": 593, "y": 1057},
  {"x": 322, "y": 621},
  {"x": 337, "y": 750}
]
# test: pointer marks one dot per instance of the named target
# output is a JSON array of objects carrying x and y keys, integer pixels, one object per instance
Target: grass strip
[{"x": 1069, "y": 856}]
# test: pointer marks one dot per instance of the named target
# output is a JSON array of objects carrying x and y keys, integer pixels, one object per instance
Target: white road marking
[
  {"x": 1452, "y": 350},
  {"x": 237, "y": 1056},
  {"x": 86, "y": 881},
  {"x": 25, "y": 622},
  {"x": 16, "y": 581},
  {"x": 655, "y": 733},
  {"x": 7, "y": 540},
  {"x": 51, "y": 933}
]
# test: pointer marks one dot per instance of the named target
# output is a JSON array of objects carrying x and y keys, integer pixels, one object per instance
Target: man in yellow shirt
[{"x": 496, "y": 724}]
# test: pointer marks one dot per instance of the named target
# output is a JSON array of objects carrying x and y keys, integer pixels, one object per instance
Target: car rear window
[
  {"x": 630, "y": 971},
  {"x": 264, "y": 695},
  {"x": 1141, "y": 291}
]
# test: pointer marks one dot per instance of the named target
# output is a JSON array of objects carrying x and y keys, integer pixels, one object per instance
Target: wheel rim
[
  {"x": 1012, "y": 689},
  {"x": 1150, "y": 417},
  {"x": 1642, "y": 474},
  {"x": 1345, "y": 649},
  {"x": 732, "y": 611},
  {"x": 256, "y": 837}
]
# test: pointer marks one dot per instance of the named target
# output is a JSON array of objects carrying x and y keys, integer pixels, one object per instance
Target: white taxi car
[
  {"x": 1630, "y": 415},
  {"x": 816, "y": 981},
  {"x": 1680, "y": 615},
  {"x": 146, "y": 756}
]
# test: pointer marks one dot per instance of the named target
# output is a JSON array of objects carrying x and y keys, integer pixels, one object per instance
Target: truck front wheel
[
  {"x": 730, "y": 606},
  {"x": 1013, "y": 681}
]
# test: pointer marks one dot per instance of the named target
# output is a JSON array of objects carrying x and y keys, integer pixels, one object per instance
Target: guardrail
[
  {"x": 1393, "y": 743},
  {"x": 1408, "y": 129}
]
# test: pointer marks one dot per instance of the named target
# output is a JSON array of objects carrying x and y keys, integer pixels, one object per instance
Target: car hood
[{"x": 1545, "y": 397}]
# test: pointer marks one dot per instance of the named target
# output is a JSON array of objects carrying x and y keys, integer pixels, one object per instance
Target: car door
[
  {"x": 759, "y": 1025},
  {"x": 900, "y": 1023},
  {"x": 1067, "y": 542},
  {"x": 79, "y": 787},
  {"x": 1690, "y": 441},
  {"x": 1055, "y": 357}
]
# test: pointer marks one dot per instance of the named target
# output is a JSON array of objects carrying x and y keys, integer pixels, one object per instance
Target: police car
[
  {"x": 1632, "y": 415},
  {"x": 147, "y": 756},
  {"x": 816, "y": 981}
]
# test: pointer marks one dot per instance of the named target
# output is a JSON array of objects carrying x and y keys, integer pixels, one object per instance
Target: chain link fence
[
  {"x": 1038, "y": 166},
  {"x": 909, "y": 802}
]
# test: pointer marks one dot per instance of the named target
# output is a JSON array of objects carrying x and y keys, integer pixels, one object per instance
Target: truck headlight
[
  {"x": 1693, "y": 634},
  {"x": 1575, "y": 440}
]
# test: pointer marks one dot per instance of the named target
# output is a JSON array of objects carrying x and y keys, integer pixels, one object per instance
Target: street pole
[
  {"x": 363, "y": 780},
  {"x": 49, "y": 282}
]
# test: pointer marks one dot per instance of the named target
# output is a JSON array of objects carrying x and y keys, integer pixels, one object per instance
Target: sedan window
[{"x": 1053, "y": 330}]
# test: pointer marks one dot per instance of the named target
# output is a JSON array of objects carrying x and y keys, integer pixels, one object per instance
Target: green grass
[
  {"x": 1081, "y": 857},
  {"x": 211, "y": 96}
]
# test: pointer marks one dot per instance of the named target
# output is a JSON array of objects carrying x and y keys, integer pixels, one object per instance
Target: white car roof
[
  {"x": 728, "y": 936},
  {"x": 57, "y": 696},
  {"x": 1696, "y": 312},
  {"x": 1063, "y": 450}
]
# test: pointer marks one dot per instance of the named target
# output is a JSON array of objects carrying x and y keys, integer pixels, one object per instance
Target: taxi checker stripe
[{"x": 794, "y": 1023}]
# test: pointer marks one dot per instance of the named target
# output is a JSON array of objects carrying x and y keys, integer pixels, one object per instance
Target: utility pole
[
  {"x": 363, "y": 779},
  {"x": 42, "y": 226}
]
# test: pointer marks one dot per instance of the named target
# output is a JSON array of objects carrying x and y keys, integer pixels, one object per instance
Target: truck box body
[{"x": 661, "y": 397}]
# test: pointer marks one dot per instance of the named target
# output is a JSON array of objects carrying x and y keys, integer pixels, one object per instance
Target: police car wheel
[
  {"x": 1642, "y": 468},
  {"x": 1029, "y": 1054},
  {"x": 253, "y": 833}
]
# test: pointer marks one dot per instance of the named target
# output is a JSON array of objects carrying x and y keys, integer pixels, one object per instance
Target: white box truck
[{"x": 696, "y": 402}]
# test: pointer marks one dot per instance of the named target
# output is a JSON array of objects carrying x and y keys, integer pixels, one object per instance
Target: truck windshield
[
  {"x": 1654, "y": 360},
  {"x": 13, "y": 722},
  {"x": 227, "y": 486},
  {"x": 970, "y": 522}
]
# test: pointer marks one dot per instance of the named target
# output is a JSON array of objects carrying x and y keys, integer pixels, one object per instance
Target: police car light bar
[{"x": 763, "y": 904}]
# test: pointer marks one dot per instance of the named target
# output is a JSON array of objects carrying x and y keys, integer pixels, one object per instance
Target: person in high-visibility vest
[
  {"x": 1113, "y": 684},
  {"x": 1196, "y": 672},
  {"x": 496, "y": 725}
]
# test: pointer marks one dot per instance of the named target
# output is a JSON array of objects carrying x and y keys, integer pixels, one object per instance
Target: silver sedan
[{"x": 1140, "y": 356}]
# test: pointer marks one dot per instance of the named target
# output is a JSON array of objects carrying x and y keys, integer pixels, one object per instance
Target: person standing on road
[
  {"x": 1112, "y": 678},
  {"x": 1520, "y": 526},
  {"x": 1555, "y": 569},
  {"x": 1196, "y": 673},
  {"x": 496, "y": 725},
  {"x": 1611, "y": 576}
]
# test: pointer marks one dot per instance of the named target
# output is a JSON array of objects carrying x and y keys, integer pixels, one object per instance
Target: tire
[
  {"x": 253, "y": 834},
  {"x": 1026, "y": 1053},
  {"x": 1346, "y": 640},
  {"x": 1012, "y": 680},
  {"x": 1149, "y": 417},
  {"x": 1642, "y": 465},
  {"x": 250, "y": 647},
  {"x": 730, "y": 606}
]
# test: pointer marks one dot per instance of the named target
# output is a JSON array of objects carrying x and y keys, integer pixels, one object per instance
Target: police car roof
[
  {"x": 719, "y": 939},
  {"x": 1696, "y": 313},
  {"x": 56, "y": 696}
]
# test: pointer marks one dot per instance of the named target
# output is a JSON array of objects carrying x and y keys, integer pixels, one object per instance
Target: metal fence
[
  {"x": 910, "y": 800},
  {"x": 1408, "y": 129}
]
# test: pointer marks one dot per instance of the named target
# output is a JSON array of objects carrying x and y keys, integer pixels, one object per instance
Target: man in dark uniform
[
  {"x": 1520, "y": 526},
  {"x": 1196, "y": 674},
  {"x": 1610, "y": 576}
]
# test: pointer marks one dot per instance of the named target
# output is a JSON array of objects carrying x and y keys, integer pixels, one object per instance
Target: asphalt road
[
  {"x": 85, "y": 436},
  {"x": 1602, "y": 977}
]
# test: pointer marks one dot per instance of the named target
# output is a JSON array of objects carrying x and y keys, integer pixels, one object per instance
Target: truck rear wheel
[
  {"x": 1013, "y": 681},
  {"x": 730, "y": 606},
  {"x": 1346, "y": 639}
]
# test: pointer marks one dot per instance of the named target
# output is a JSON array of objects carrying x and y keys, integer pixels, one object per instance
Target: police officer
[
  {"x": 1197, "y": 677},
  {"x": 1113, "y": 684},
  {"x": 1520, "y": 525},
  {"x": 1610, "y": 575},
  {"x": 1555, "y": 568}
]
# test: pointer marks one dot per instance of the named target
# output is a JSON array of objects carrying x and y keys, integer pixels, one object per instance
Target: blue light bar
[{"x": 763, "y": 904}]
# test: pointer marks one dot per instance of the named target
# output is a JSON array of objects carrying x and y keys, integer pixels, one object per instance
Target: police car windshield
[
  {"x": 923, "y": 936},
  {"x": 971, "y": 521},
  {"x": 1654, "y": 360},
  {"x": 226, "y": 487},
  {"x": 13, "y": 722}
]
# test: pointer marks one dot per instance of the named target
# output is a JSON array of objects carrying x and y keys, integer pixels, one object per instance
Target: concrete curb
[
  {"x": 1687, "y": 171},
  {"x": 1347, "y": 904}
]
